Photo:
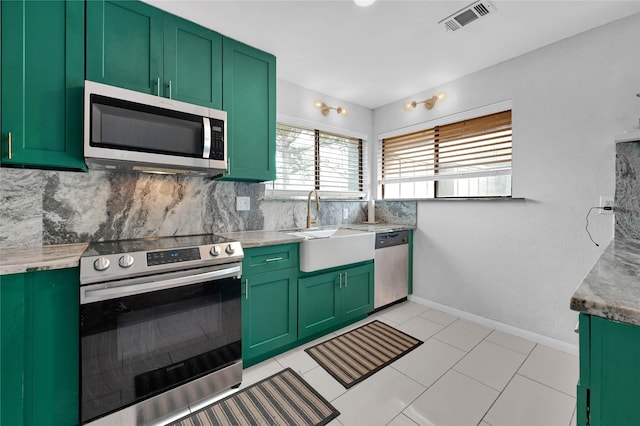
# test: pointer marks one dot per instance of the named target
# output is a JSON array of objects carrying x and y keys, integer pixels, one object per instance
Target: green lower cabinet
[
  {"x": 269, "y": 313},
  {"x": 333, "y": 298},
  {"x": 12, "y": 339},
  {"x": 609, "y": 372},
  {"x": 318, "y": 305},
  {"x": 40, "y": 338}
]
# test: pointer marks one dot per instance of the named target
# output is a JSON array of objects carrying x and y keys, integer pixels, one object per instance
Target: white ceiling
[{"x": 393, "y": 49}]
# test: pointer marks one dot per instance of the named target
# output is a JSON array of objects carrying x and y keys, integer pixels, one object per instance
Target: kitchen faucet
[{"x": 315, "y": 219}]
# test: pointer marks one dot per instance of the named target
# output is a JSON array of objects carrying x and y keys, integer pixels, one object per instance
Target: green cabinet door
[
  {"x": 42, "y": 83},
  {"x": 357, "y": 292},
  {"x": 12, "y": 338},
  {"x": 334, "y": 298},
  {"x": 192, "y": 63},
  {"x": 136, "y": 46},
  {"x": 614, "y": 372},
  {"x": 318, "y": 303},
  {"x": 249, "y": 97},
  {"x": 124, "y": 45},
  {"x": 269, "y": 313},
  {"x": 40, "y": 344}
]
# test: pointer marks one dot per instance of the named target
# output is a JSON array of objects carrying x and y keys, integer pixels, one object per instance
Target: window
[
  {"x": 308, "y": 159},
  {"x": 469, "y": 158}
]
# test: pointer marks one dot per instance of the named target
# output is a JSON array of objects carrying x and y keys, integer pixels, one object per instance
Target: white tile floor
[{"x": 464, "y": 374}]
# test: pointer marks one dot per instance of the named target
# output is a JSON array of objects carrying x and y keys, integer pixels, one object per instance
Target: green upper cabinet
[
  {"x": 124, "y": 45},
  {"x": 249, "y": 93},
  {"x": 138, "y": 47},
  {"x": 192, "y": 63},
  {"x": 42, "y": 83}
]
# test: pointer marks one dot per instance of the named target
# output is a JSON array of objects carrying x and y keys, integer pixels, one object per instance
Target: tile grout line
[
  {"x": 415, "y": 381},
  {"x": 546, "y": 385},
  {"x": 501, "y": 346},
  {"x": 507, "y": 385}
]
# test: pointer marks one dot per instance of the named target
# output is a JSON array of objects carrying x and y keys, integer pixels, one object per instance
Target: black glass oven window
[
  {"x": 136, "y": 127},
  {"x": 138, "y": 346}
]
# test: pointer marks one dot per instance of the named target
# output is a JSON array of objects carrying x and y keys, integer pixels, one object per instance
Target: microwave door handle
[{"x": 206, "y": 149}]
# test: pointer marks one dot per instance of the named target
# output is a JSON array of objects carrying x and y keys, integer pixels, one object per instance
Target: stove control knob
[
  {"x": 230, "y": 249},
  {"x": 101, "y": 264},
  {"x": 215, "y": 251},
  {"x": 126, "y": 261}
]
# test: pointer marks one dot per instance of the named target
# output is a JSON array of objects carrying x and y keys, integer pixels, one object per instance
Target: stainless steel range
[{"x": 160, "y": 327}]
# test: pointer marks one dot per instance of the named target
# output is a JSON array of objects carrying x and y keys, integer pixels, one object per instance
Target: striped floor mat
[
  {"x": 352, "y": 357},
  {"x": 282, "y": 399}
]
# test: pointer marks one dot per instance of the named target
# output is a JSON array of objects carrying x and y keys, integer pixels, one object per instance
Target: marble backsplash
[
  {"x": 627, "y": 198},
  {"x": 41, "y": 207}
]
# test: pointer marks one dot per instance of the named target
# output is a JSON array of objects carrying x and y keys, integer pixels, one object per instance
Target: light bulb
[
  {"x": 318, "y": 103},
  {"x": 441, "y": 96},
  {"x": 409, "y": 105},
  {"x": 364, "y": 3},
  {"x": 342, "y": 110}
]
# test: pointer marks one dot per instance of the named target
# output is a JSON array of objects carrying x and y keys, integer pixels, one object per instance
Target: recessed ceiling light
[{"x": 364, "y": 3}]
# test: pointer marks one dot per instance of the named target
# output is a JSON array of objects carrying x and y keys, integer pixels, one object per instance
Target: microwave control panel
[{"x": 217, "y": 139}]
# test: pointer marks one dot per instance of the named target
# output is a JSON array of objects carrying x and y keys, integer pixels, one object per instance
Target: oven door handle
[{"x": 99, "y": 292}]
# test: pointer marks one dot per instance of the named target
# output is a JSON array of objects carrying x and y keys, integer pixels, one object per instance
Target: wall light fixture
[
  {"x": 324, "y": 108},
  {"x": 410, "y": 105}
]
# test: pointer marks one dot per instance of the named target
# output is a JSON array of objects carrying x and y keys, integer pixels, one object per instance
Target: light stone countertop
[
  {"x": 250, "y": 239},
  {"x": 15, "y": 260},
  {"x": 612, "y": 288}
]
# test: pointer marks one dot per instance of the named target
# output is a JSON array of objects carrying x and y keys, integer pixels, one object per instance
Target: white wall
[
  {"x": 518, "y": 262},
  {"x": 297, "y": 102}
]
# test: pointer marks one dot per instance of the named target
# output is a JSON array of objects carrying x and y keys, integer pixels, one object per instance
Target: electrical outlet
[
  {"x": 243, "y": 204},
  {"x": 606, "y": 201}
]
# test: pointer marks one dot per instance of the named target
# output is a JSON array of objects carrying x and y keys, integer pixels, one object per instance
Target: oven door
[{"x": 144, "y": 336}]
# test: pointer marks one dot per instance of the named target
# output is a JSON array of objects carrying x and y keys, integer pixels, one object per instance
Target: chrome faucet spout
[{"x": 310, "y": 220}]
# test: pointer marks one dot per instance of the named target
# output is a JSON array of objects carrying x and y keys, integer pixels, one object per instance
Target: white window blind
[
  {"x": 308, "y": 159},
  {"x": 455, "y": 156}
]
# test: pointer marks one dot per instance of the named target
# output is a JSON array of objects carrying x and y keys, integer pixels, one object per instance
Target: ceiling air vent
[{"x": 467, "y": 15}]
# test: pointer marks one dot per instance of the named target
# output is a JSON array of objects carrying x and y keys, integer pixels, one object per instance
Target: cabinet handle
[
  {"x": 273, "y": 259},
  {"x": 10, "y": 143},
  {"x": 346, "y": 279},
  {"x": 340, "y": 279},
  {"x": 158, "y": 86},
  {"x": 170, "y": 90},
  {"x": 246, "y": 288}
]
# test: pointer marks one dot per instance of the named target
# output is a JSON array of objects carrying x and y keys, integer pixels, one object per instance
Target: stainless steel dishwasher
[{"x": 391, "y": 260}]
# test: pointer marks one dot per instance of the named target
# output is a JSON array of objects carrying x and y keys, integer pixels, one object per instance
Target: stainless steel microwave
[{"x": 131, "y": 131}]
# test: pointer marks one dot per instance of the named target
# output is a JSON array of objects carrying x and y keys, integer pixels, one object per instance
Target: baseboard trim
[{"x": 529, "y": 335}]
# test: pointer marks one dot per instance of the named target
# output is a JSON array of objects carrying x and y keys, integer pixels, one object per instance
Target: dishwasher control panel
[{"x": 390, "y": 239}]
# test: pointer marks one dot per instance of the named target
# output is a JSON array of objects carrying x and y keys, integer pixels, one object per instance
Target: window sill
[
  {"x": 304, "y": 198},
  {"x": 508, "y": 199}
]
